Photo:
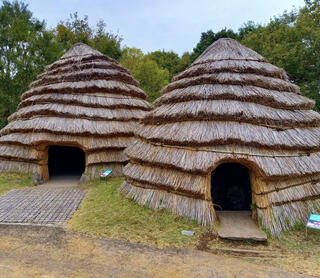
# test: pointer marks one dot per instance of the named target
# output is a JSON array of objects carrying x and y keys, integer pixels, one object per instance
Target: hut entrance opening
[
  {"x": 230, "y": 187},
  {"x": 65, "y": 161}
]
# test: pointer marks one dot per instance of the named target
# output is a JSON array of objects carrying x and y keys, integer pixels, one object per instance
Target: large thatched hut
[
  {"x": 79, "y": 115},
  {"x": 231, "y": 132}
]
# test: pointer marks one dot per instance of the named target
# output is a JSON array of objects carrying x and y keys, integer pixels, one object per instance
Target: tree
[
  {"x": 131, "y": 58},
  {"x": 151, "y": 77},
  {"x": 106, "y": 42},
  {"x": 184, "y": 62},
  {"x": 292, "y": 41},
  {"x": 166, "y": 60},
  {"x": 25, "y": 48},
  {"x": 77, "y": 29},
  {"x": 73, "y": 30},
  {"x": 247, "y": 28},
  {"x": 308, "y": 29}
]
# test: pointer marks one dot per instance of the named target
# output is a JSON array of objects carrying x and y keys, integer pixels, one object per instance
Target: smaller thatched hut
[
  {"x": 231, "y": 132},
  {"x": 80, "y": 114}
]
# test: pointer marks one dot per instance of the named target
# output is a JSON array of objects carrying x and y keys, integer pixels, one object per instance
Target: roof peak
[
  {"x": 80, "y": 49},
  {"x": 228, "y": 49}
]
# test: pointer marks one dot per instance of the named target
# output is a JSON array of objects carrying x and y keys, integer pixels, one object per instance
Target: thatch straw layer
[
  {"x": 85, "y": 75},
  {"x": 230, "y": 110},
  {"x": 24, "y": 167},
  {"x": 106, "y": 156},
  {"x": 19, "y": 153},
  {"x": 77, "y": 62},
  {"x": 78, "y": 112},
  {"x": 92, "y": 86},
  {"x": 302, "y": 192},
  {"x": 86, "y": 64},
  {"x": 279, "y": 185},
  {"x": 229, "y": 106},
  {"x": 269, "y": 164},
  {"x": 209, "y": 133},
  {"x": 228, "y": 49},
  {"x": 78, "y": 54},
  {"x": 270, "y": 98},
  {"x": 92, "y": 101},
  {"x": 237, "y": 66},
  {"x": 84, "y": 100},
  {"x": 87, "y": 143},
  {"x": 229, "y": 78},
  {"x": 182, "y": 205},
  {"x": 74, "y": 125},
  {"x": 174, "y": 180},
  {"x": 281, "y": 218}
]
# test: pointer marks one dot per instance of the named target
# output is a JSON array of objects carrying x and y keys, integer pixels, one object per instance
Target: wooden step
[{"x": 238, "y": 225}]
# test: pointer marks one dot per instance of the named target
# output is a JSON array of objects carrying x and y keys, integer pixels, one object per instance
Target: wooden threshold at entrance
[{"x": 238, "y": 225}]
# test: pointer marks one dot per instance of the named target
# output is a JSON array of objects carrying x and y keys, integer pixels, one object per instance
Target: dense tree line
[{"x": 290, "y": 41}]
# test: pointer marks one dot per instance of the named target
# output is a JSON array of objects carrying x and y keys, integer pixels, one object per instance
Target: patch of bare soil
[
  {"x": 46, "y": 252},
  {"x": 205, "y": 239}
]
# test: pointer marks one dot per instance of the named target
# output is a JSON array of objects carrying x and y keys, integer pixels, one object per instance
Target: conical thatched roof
[
  {"x": 85, "y": 99},
  {"x": 230, "y": 105}
]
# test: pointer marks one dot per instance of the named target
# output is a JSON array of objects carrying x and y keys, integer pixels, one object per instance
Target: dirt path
[{"x": 51, "y": 252}]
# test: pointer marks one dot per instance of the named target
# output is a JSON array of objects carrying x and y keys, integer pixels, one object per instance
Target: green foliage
[
  {"x": 25, "y": 48},
  {"x": 292, "y": 41},
  {"x": 166, "y": 60},
  {"x": 13, "y": 180},
  {"x": 184, "y": 62},
  {"x": 73, "y": 30},
  {"x": 247, "y": 28},
  {"x": 143, "y": 68},
  {"x": 106, "y": 42},
  {"x": 131, "y": 58},
  {"x": 77, "y": 29}
]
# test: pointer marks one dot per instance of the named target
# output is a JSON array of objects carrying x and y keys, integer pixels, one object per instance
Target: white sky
[{"x": 163, "y": 24}]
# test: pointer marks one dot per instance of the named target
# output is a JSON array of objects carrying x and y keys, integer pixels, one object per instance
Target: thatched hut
[
  {"x": 231, "y": 132},
  {"x": 79, "y": 114}
]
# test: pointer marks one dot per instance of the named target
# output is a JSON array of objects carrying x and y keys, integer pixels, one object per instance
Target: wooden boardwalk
[{"x": 40, "y": 205}]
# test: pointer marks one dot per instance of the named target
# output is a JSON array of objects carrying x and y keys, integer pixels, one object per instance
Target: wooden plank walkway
[{"x": 40, "y": 205}]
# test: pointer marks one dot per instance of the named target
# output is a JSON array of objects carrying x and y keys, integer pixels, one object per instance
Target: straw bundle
[
  {"x": 85, "y": 100},
  {"x": 230, "y": 105}
]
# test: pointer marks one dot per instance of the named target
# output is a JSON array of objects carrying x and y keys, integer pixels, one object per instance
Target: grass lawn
[
  {"x": 107, "y": 213},
  {"x": 12, "y": 180}
]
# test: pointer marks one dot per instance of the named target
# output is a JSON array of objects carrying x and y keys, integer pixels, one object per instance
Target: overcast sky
[{"x": 163, "y": 24}]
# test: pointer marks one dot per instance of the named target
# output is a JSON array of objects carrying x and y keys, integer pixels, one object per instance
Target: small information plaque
[
  {"x": 314, "y": 221},
  {"x": 105, "y": 173}
]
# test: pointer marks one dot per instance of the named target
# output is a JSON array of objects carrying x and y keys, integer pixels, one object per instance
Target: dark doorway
[
  {"x": 65, "y": 161},
  {"x": 230, "y": 187}
]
